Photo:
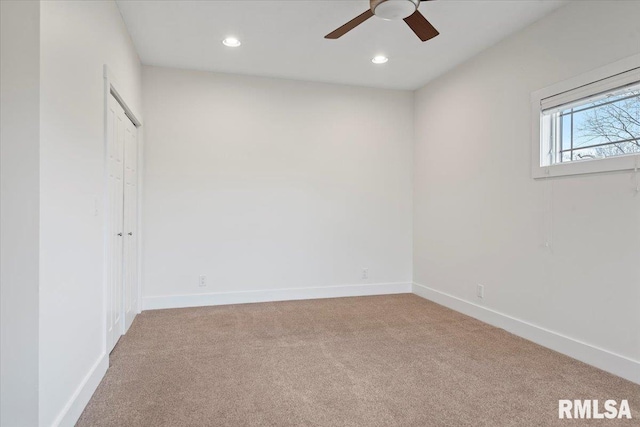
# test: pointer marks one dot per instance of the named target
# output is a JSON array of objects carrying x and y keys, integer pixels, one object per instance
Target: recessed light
[
  {"x": 379, "y": 59},
  {"x": 231, "y": 42}
]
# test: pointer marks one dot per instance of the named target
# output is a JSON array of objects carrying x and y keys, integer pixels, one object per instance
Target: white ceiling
[{"x": 286, "y": 38}]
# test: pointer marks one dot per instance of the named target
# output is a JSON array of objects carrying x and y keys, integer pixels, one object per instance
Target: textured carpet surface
[{"x": 394, "y": 360}]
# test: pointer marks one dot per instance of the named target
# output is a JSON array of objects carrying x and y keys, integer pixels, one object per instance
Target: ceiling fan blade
[
  {"x": 419, "y": 24},
  {"x": 350, "y": 25}
]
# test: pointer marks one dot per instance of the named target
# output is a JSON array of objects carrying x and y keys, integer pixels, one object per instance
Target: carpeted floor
[{"x": 395, "y": 360}]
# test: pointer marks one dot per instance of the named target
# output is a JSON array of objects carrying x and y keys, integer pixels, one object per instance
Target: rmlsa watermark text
[{"x": 590, "y": 409}]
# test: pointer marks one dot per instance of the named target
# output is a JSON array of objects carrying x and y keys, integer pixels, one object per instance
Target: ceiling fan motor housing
[{"x": 394, "y": 9}]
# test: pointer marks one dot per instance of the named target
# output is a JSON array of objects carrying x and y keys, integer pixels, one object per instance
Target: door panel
[
  {"x": 130, "y": 223},
  {"x": 115, "y": 166}
]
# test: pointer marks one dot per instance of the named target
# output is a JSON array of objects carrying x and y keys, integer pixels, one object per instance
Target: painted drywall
[
  {"x": 77, "y": 39},
  {"x": 263, "y": 184},
  {"x": 19, "y": 158},
  {"x": 479, "y": 217}
]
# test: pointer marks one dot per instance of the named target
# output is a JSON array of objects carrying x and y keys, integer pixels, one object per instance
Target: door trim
[{"x": 111, "y": 88}]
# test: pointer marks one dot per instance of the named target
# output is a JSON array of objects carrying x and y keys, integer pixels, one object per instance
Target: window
[
  {"x": 606, "y": 126},
  {"x": 590, "y": 123}
]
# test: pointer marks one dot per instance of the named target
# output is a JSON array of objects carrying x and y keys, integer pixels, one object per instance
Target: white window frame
[{"x": 573, "y": 89}]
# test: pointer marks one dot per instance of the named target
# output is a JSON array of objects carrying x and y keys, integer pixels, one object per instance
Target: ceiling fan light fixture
[
  {"x": 231, "y": 42},
  {"x": 380, "y": 59},
  {"x": 406, "y": 10},
  {"x": 392, "y": 10}
]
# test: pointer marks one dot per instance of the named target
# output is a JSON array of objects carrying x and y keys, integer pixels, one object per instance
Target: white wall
[
  {"x": 264, "y": 184},
  {"x": 19, "y": 154},
  {"x": 481, "y": 219},
  {"x": 77, "y": 38}
]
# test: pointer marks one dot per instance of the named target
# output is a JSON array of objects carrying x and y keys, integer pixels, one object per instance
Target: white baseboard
[
  {"x": 225, "y": 298},
  {"x": 618, "y": 365},
  {"x": 600, "y": 358},
  {"x": 74, "y": 407}
]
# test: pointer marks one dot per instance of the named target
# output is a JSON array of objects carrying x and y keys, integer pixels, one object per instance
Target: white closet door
[
  {"x": 130, "y": 223},
  {"x": 116, "y": 126}
]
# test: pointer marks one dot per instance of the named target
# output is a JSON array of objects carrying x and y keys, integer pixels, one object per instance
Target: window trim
[{"x": 610, "y": 164}]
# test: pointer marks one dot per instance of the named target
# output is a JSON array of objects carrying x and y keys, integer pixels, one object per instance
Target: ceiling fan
[{"x": 392, "y": 10}]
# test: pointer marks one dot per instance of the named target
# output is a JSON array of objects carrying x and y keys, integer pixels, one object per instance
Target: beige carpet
[{"x": 370, "y": 361}]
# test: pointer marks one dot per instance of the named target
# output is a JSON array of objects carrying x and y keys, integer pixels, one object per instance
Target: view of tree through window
[{"x": 606, "y": 127}]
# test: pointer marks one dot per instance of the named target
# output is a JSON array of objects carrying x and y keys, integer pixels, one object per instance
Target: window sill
[{"x": 582, "y": 167}]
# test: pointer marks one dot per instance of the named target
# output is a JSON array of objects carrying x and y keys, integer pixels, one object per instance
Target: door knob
[
  {"x": 130, "y": 233},
  {"x": 120, "y": 234}
]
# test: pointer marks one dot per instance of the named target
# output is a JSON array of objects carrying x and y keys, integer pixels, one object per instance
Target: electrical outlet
[
  {"x": 365, "y": 273},
  {"x": 480, "y": 291},
  {"x": 202, "y": 281}
]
